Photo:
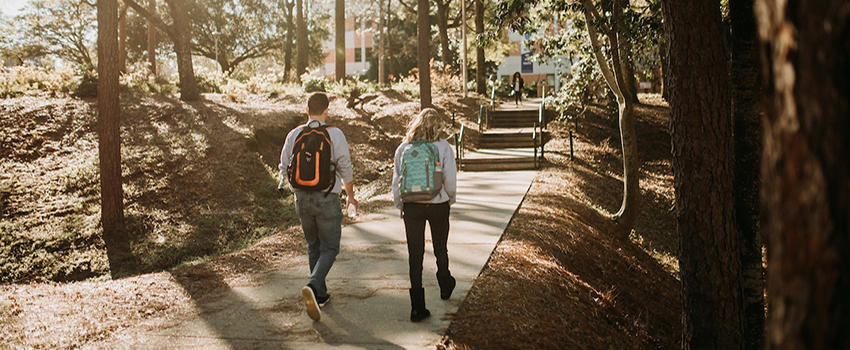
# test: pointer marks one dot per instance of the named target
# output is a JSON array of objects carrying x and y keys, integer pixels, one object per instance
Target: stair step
[{"x": 491, "y": 164}]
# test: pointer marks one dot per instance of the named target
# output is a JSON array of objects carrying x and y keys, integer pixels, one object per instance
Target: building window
[
  {"x": 357, "y": 55},
  {"x": 368, "y": 53}
]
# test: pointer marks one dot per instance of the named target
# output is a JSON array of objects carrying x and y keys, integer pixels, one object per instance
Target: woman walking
[
  {"x": 516, "y": 82},
  {"x": 423, "y": 138}
]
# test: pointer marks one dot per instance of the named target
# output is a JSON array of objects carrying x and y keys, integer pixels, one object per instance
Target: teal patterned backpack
[{"x": 421, "y": 172}]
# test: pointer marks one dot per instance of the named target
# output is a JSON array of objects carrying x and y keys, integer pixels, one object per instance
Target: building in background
[
  {"x": 358, "y": 47},
  {"x": 534, "y": 73}
]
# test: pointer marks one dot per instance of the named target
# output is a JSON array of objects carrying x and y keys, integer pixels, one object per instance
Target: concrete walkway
[{"x": 369, "y": 306}]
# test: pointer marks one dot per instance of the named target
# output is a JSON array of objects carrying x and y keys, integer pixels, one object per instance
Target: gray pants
[{"x": 321, "y": 219}]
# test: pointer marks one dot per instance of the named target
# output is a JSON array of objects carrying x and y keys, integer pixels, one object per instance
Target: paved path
[{"x": 370, "y": 306}]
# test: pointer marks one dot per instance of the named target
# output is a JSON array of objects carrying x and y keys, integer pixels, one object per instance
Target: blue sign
[{"x": 527, "y": 65}]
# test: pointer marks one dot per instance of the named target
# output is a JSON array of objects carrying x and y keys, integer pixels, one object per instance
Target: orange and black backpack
[{"x": 311, "y": 166}]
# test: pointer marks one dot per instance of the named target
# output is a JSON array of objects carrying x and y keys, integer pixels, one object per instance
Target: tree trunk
[
  {"x": 630, "y": 90},
  {"x": 629, "y": 209},
  {"x": 122, "y": 41},
  {"x": 183, "y": 49},
  {"x": 701, "y": 128},
  {"x": 480, "y": 69},
  {"x": 805, "y": 171},
  {"x": 340, "y": 40},
  {"x": 287, "y": 46},
  {"x": 746, "y": 116},
  {"x": 301, "y": 40},
  {"x": 109, "y": 138},
  {"x": 443, "y": 26},
  {"x": 391, "y": 73},
  {"x": 424, "y": 52},
  {"x": 382, "y": 53},
  {"x": 152, "y": 39}
]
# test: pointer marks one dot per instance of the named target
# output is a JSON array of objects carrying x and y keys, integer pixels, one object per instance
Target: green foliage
[
  {"x": 20, "y": 80},
  {"x": 350, "y": 84},
  {"x": 62, "y": 27},
  {"x": 313, "y": 83},
  {"x": 88, "y": 83},
  {"x": 141, "y": 81}
]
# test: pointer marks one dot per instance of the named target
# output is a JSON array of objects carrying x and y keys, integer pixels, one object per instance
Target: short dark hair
[{"x": 317, "y": 103}]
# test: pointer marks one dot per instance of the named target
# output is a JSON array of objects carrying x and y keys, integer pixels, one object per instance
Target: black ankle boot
[
  {"x": 447, "y": 285},
  {"x": 418, "y": 311}
]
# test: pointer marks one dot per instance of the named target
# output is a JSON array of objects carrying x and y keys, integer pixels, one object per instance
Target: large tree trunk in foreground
[
  {"x": 701, "y": 128},
  {"x": 109, "y": 137},
  {"x": 746, "y": 120},
  {"x": 806, "y": 171},
  {"x": 424, "y": 54}
]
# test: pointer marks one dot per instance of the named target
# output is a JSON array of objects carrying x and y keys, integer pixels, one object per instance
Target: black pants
[
  {"x": 518, "y": 95},
  {"x": 437, "y": 216}
]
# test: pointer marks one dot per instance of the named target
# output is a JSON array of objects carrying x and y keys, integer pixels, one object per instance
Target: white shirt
[{"x": 340, "y": 153}]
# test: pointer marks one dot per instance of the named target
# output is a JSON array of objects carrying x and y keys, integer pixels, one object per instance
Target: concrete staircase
[{"x": 508, "y": 144}]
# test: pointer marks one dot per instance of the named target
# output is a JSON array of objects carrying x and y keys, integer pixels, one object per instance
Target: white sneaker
[{"x": 312, "y": 305}]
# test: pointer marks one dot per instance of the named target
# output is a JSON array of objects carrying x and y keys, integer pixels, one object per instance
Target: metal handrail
[
  {"x": 534, "y": 137},
  {"x": 459, "y": 147}
]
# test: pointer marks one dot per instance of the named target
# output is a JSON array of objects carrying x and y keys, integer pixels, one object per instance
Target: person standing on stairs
[
  {"x": 517, "y": 82},
  {"x": 425, "y": 134}
]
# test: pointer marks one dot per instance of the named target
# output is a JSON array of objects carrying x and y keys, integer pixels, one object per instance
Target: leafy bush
[
  {"x": 408, "y": 85},
  {"x": 350, "y": 84},
  {"x": 88, "y": 83},
  {"x": 142, "y": 81},
  {"x": 313, "y": 83},
  {"x": 17, "y": 81}
]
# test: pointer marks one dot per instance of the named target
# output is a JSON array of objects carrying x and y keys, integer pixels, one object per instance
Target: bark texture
[
  {"x": 339, "y": 38},
  {"x": 301, "y": 39},
  {"x": 183, "y": 49},
  {"x": 805, "y": 171},
  {"x": 701, "y": 129},
  {"x": 746, "y": 119},
  {"x": 424, "y": 53},
  {"x": 109, "y": 136},
  {"x": 152, "y": 39},
  {"x": 481, "y": 67}
]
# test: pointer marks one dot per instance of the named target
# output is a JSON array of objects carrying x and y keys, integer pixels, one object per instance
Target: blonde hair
[{"x": 427, "y": 125}]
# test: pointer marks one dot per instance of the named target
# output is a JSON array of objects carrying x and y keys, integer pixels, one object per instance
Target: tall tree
[
  {"x": 152, "y": 43},
  {"x": 339, "y": 38},
  {"x": 701, "y": 128},
  {"x": 382, "y": 43},
  {"x": 805, "y": 171},
  {"x": 746, "y": 117},
  {"x": 181, "y": 33},
  {"x": 301, "y": 56},
  {"x": 109, "y": 136},
  {"x": 424, "y": 53},
  {"x": 183, "y": 49},
  {"x": 61, "y": 27},
  {"x": 122, "y": 40},
  {"x": 234, "y": 31},
  {"x": 290, "y": 36},
  {"x": 617, "y": 82},
  {"x": 480, "y": 69}
]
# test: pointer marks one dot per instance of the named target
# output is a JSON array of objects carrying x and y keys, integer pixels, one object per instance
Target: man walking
[{"x": 316, "y": 161}]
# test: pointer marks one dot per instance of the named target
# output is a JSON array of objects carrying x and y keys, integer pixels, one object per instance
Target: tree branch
[{"x": 154, "y": 19}]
